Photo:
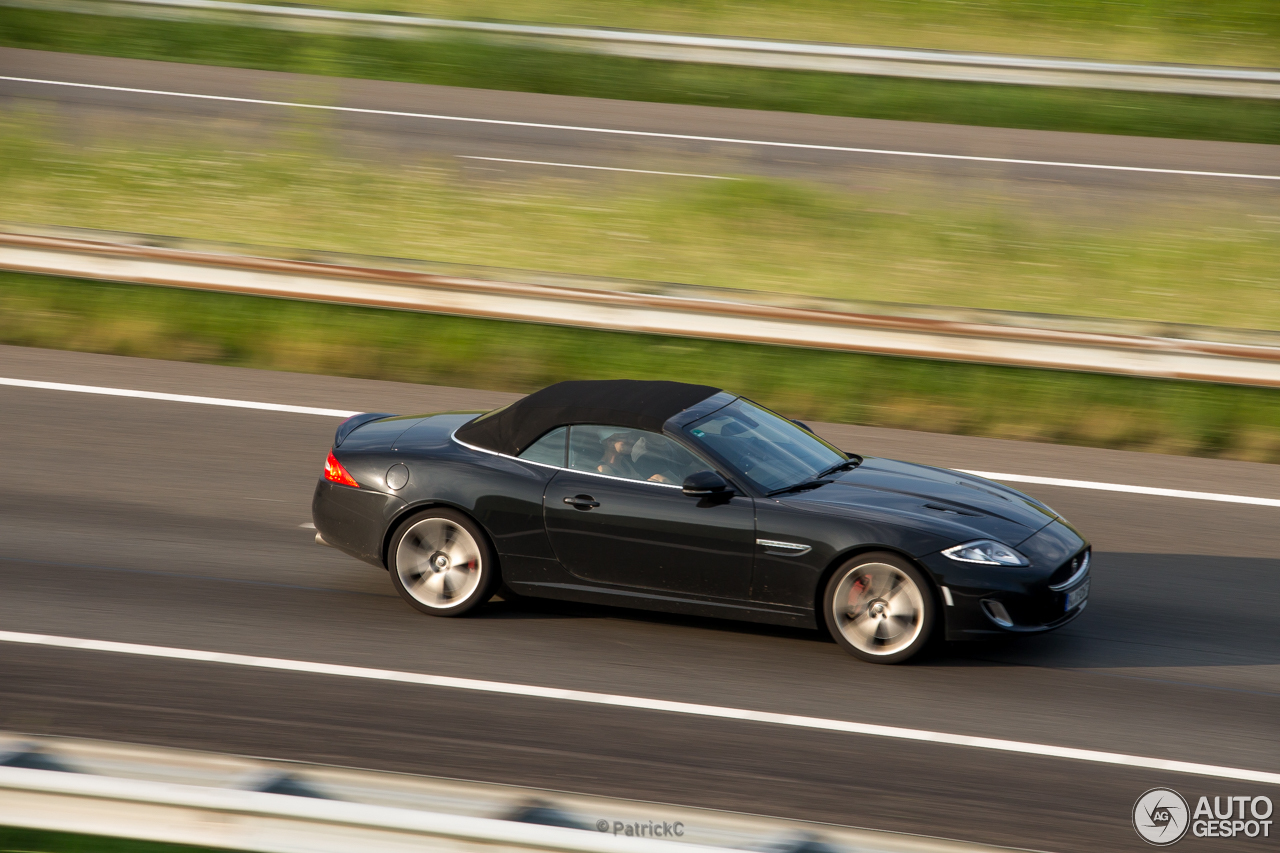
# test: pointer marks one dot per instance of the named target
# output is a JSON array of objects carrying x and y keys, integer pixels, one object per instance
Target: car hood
[{"x": 937, "y": 497}]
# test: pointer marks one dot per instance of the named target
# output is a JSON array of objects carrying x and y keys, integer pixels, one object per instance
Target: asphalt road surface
[
  {"x": 577, "y": 139},
  {"x": 179, "y": 525}
]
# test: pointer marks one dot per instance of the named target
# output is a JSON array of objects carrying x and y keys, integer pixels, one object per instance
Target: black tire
[
  {"x": 887, "y": 611},
  {"x": 441, "y": 563}
]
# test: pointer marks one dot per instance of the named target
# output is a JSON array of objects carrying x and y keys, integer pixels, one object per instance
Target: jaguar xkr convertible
[{"x": 690, "y": 499}]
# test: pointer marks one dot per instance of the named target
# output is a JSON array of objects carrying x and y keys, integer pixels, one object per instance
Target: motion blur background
[
  {"x": 1190, "y": 250},
  {"x": 1185, "y": 250}
]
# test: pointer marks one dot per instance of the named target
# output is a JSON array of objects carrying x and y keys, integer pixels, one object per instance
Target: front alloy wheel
[
  {"x": 879, "y": 608},
  {"x": 441, "y": 564}
]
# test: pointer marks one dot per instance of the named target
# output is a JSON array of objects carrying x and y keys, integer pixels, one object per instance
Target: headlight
[{"x": 988, "y": 552}]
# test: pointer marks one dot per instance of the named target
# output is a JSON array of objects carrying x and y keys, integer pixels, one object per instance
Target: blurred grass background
[
  {"x": 1227, "y": 32},
  {"x": 456, "y": 61},
  {"x": 1202, "y": 254},
  {"x": 1035, "y": 405},
  {"x": 13, "y": 840},
  {"x": 1202, "y": 259}
]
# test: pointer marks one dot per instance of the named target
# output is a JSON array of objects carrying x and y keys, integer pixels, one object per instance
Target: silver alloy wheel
[
  {"x": 878, "y": 609},
  {"x": 439, "y": 563}
]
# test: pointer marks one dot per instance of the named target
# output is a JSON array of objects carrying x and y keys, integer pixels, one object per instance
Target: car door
[{"x": 617, "y": 516}]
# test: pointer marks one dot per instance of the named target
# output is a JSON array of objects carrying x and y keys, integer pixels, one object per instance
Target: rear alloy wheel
[
  {"x": 879, "y": 608},
  {"x": 441, "y": 563}
]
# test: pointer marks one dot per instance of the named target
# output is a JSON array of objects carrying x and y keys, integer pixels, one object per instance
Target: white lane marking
[
  {"x": 648, "y": 133},
  {"x": 641, "y": 704},
  {"x": 1132, "y": 490},
  {"x": 340, "y": 413},
  {"x": 598, "y": 168},
  {"x": 176, "y": 398}
]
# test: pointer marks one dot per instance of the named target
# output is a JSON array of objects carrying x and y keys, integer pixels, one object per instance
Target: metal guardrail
[
  {"x": 700, "y": 314},
  {"x": 275, "y": 823},
  {"x": 718, "y": 50},
  {"x": 238, "y": 803}
]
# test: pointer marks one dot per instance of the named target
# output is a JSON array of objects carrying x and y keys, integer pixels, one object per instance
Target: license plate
[{"x": 1077, "y": 596}]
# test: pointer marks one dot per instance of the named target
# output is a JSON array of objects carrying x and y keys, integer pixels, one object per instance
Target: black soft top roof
[{"x": 633, "y": 403}]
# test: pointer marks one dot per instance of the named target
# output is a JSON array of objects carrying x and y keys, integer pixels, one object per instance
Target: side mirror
[{"x": 704, "y": 484}]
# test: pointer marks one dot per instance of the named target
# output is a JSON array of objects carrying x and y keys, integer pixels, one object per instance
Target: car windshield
[{"x": 767, "y": 449}]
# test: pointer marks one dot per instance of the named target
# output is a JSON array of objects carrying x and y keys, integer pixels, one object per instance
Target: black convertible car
[{"x": 686, "y": 498}]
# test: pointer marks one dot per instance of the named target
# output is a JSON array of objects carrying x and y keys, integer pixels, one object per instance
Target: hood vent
[
  {"x": 978, "y": 488},
  {"x": 953, "y": 510}
]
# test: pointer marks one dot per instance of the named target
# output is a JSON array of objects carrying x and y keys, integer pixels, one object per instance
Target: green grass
[
  {"x": 1227, "y": 32},
  {"x": 40, "y": 841},
  {"x": 1201, "y": 259},
  {"x": 1102, "y": 411},
  {"x": 457, "y": 62}
]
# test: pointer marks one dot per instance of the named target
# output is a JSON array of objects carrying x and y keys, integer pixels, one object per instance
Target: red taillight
[{"x": 335, "y": 473}]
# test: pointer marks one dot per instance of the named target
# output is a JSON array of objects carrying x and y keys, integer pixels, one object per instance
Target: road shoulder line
[
  {"x": 643, "y": 704},
  {"x": 175, "y": 398},
  {"x": 651, "y": 134},
  {"x": 342, "y": 413},
  {"x": 1132, "y": 490}
]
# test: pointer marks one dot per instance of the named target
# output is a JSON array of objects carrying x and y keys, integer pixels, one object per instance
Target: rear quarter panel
[{"x": 504, "y": 495}]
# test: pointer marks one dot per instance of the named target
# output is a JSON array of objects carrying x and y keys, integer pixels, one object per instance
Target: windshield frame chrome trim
[{"x": 752, "y": 488}]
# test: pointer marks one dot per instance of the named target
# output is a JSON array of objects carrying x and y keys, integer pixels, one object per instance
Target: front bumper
[{"x": 987, "y": 601}]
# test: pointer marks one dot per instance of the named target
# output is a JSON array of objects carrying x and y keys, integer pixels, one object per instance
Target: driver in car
[{"x": 622, "y": 451}]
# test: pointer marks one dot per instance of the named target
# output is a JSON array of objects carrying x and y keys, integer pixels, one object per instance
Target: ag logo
[{"x": 1160, "y": 816}]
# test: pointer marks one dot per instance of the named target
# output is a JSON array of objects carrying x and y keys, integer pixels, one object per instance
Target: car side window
[
  {"x": 549, "y": 450},
  {"x": 632, "y": 454}
]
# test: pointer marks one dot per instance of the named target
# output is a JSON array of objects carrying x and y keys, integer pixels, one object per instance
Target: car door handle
[{"x": 583, "y": 502}]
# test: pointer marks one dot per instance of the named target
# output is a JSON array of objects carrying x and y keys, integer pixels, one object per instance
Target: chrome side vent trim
[{"x": 787, "y": 549}]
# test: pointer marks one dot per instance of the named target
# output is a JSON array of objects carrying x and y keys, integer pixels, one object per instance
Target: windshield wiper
[
  {"x": 820, "y": 479},
  {"x": 847, "y": 465},
  {"x": 801, "y": 486}
]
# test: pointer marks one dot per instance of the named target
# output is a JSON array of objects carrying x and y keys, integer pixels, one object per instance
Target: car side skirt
[{"x": 640, "y": 600}]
